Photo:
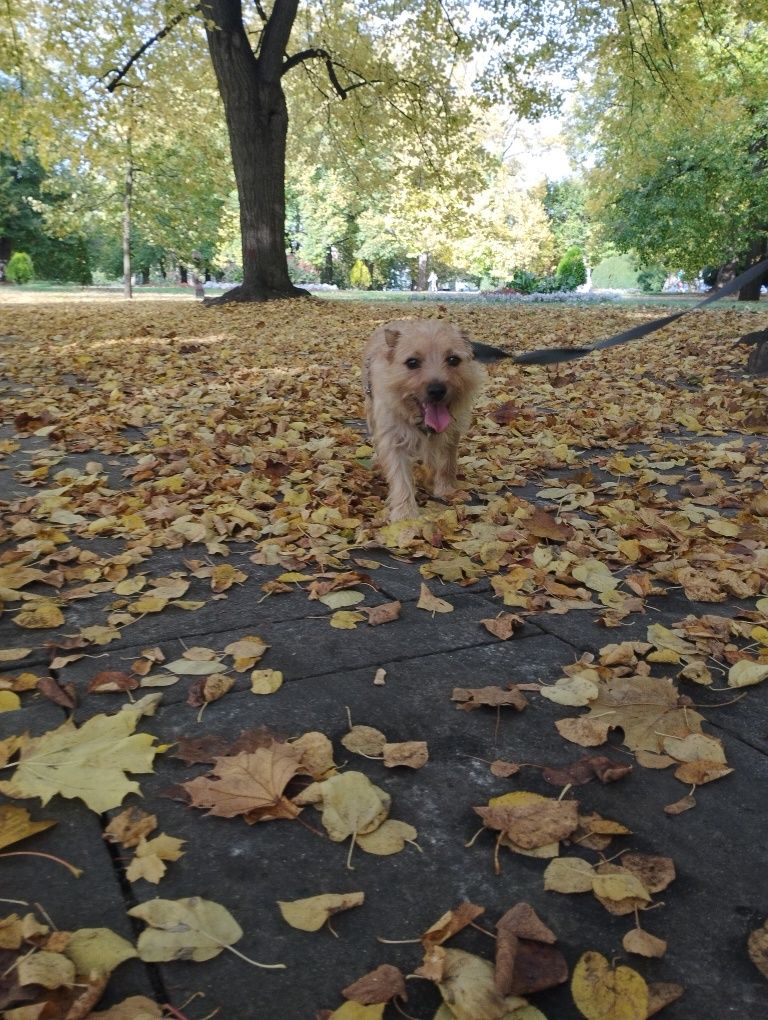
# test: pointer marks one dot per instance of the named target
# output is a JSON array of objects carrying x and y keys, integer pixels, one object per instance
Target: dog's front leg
[
  {"x": 443, "y": 460},
  {"x": 397, "y": 466}
]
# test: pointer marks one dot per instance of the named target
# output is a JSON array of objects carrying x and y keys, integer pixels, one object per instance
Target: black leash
[{"x": 553, "y": 355}]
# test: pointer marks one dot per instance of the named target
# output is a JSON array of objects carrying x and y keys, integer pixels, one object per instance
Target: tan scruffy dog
[{"x": 421, "y": 380}]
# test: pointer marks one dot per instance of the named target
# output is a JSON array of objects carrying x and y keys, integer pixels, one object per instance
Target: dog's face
[{"x": 428, "y": 367}]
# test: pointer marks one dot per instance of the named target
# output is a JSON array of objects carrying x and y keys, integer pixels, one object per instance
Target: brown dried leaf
[
  {"x": 490, "y": 697},
  {"x": 451, "y": 922},
  {"x": 380, "y": 985},
  {"x": 410, "y": 753},
  {"x": 248, "y": 784},
  {"x": 504, "y": 625}
]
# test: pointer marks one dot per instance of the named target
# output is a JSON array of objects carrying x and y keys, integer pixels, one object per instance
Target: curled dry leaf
[
  {"x": 380, "y": 985},
  {"x": 412, "y": 754},
  {"x": 431, "y": 603},
  {"x": 528, "y": 820},
  {"x": 316, "y": 755},
  {"x": 112, "y": 680},
  {"x": 643, "y": 943},
  {"x": 387, "y": 612},
  {"x": 468, "y": 988},
  {"x": 130, "y": 827},
  {"x": 451, "y": 922},
  {"x": 310, "y": 914},
  {"x": 209, "y": 688},
  {"x": 365, "y": 740},
  {"x": 504, "y": 625},
  {"x": 586, "y": 769},
  {"x": 757, "y": 946},
  {"x": 490, "y": 697}
]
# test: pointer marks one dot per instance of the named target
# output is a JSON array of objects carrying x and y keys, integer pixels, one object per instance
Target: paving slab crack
[{"x": 153, "y": 972}]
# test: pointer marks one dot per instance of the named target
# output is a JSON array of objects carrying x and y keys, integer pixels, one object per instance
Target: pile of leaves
[{"x": 163, "y": 426}]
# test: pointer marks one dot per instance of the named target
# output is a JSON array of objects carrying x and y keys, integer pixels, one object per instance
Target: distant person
[{"x": 432, "y": 281}]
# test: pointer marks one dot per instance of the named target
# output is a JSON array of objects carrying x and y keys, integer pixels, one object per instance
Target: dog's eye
[
  {"x": 453, "y": 360},
  {"x": 412, "y": 363}
]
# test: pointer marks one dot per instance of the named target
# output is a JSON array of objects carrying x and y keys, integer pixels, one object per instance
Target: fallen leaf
[
  {"x": 746, "y": 673},
  {"x": 366, "y": 740},
  {"x": 266, "y": 681},
  {"x": 130, "y": 827},
  {"x": 380, "y": 985},
  {"x": 569, "y": 875},
  {"x": 389, "y": 838},
  {"x": 602, "y": 993},
  {"x": 16, "y": 824},
  {"x": 50, "y": 970},
  {"x": 89, "y": 763},
  {"x": 451, "y": 922},
  {"x": 412, "y": 754},
  {"x": 310, "y": 914},
  {"x": 757, "y": 945},
  {"x": 529, "y": 820},
  {"x": 351, "y": 805},
  {"x": 346, "y": 620},
  {"x": 97, "y": 949},
  {"x": 248, "y": 784},
  {"x": 643, "y": 943},
  {"x": 431, "y": 603},
  {"x": 490, "y": 697},
  {"x": 387, "y": 612},
  {"x": 503, "y": 626},
  {"x": 187, "y": 929}
]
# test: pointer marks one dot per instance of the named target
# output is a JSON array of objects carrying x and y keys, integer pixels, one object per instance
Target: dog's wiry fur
[{"x": 420, "y": 380}]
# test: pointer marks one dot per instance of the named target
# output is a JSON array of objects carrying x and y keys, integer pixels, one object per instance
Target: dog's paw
[{"x": 406, "y": 512}]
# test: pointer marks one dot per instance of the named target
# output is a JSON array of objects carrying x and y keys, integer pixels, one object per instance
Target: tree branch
[
  {"x": 342, "y": 91},
  {"x": 120, "y": 73},
  {"x": 274, "y": 39}
]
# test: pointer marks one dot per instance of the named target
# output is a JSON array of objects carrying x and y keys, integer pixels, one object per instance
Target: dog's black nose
[{"x": 436, "y": 391}]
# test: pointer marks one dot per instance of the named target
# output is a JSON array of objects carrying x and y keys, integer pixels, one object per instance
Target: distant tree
[
  {"x": 20, "y": 268},
  {"x": 678, "y": 122}
]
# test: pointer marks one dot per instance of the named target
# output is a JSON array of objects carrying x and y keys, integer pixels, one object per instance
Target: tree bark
[
  {"x": 757, "y": 251},
  {"x": 257, "y": 120},
  {"x": 127, "y": 208}
]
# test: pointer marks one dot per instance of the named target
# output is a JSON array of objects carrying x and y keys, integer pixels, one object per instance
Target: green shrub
[
  {"x": 20, "y": 268},
  {"x": 529, "y": 283},
  {"x": 651, "y": 278},
  {"x": 617, "y": 272},
  {"x": 571, "y": 270},
  {"x": 360, "y": 276}
]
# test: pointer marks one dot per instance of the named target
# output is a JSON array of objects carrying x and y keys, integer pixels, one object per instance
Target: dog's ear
[{"x": 391, "y": 336}]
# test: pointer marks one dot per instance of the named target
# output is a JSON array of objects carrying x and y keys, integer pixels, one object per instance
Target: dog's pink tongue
[{"x": 437, "y": 417}]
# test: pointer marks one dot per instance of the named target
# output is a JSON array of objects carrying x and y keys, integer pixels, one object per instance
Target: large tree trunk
[
  {"x": 257, "y": 120},
  {"x": 127, "y": 210},
  {"x": 757, "y": 251}
]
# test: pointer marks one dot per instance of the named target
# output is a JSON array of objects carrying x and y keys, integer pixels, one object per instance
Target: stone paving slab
[
  {"x": 94, "y": 900},
  {"x": 249, "y": 868},
  {"x": 309, "y": 647}
]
